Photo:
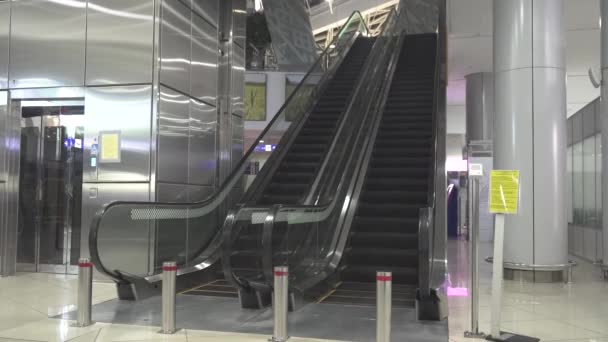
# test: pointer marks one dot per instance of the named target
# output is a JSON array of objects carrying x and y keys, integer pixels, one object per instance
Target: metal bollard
[
  {"x": 474, "y": 258},
  {"x": 384, "y": 281},
  {"x": 85, "y": 290},
  {"x": 280, "y": 304},
  {"x": 168, "y": 297}
]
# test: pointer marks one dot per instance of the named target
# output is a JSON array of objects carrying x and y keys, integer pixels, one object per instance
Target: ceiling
[{"x": 470, "y": 48}]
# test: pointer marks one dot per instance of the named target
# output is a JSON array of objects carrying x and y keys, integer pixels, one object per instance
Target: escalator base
[{"x": 216, "y": 288}]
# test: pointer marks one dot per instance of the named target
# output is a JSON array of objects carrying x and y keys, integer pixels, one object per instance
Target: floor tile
[{"x": 47, "y": 330}]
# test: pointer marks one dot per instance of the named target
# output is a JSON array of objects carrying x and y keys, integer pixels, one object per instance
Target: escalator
[
  {"x": 384, "y": 233},
  {"x": 297, "y": 168},
  {"x": 377, "y": 209},
  {"x": 130, "y": 241},
  {"x": 301, "y": 163}
]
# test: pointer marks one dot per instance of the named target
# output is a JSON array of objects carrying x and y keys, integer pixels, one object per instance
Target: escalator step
[
  {"x": 389, "y": 209},
  {"x": 387, "y": 224},
  {"x": 384, "y": 239}
]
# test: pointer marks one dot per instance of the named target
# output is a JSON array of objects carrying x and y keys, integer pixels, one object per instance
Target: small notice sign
[
  {"x": 110, "y": 147},
  {"x": 504, "y": 191}
]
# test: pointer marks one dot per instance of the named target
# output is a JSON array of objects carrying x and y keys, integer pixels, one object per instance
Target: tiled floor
[
  {"x": 29, "y": 299},
  {"x": 551, "y": 312}
]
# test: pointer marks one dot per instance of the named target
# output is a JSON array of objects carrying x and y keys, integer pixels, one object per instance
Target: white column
[
  {"x": 530, "y": 125},
  {"x": 480, "y": 106},
  {"x": 604, "y": 123}
]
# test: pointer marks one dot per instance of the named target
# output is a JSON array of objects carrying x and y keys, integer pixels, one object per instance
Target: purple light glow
[{"x": 458, "y": 292}]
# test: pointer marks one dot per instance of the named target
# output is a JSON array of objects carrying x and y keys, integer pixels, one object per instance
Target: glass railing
[
  {"x": 309, "y": 238},
  {"x": 131, "y": 240}
]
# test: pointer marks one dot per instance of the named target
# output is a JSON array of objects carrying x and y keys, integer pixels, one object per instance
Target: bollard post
[
  {"x": 384, "y": 289},
  {"x": 168, "y": 297},
  {"x": 85, "y": 290},
  {"x": 474, "y": 259},
  {"x": 280, "y": 304}
]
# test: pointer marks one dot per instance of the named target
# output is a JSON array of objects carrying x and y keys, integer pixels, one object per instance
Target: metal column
[
  {"x": 604, "y": 129},
  {"x": 530, "y": 122},
  {"x": 480, "y": 106}
]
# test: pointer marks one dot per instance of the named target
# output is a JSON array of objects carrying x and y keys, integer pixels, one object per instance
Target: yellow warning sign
[
  {"x": 110, "y": 147},
  {"x": 504, "y": 191}
]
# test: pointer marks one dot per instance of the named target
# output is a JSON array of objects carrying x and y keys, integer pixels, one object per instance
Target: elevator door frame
[
  {"x": 17, "y": 96},
  {"x": 46, "y": 124}
]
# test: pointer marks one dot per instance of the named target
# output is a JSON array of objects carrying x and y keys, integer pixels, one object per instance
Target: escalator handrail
[
  {"x": 324, "y": 209},
  {"x": 236, "y": 175},
  {"x": 427, "y": 221}
]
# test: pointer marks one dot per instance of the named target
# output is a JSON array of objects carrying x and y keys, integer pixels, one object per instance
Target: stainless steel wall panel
[
  {"x": 173, "y": 131},
  {"x": 175, "y": 46},
  {"x": 3, "y": 135},
  {"x": 172, "y": 192},
  {"x": 204, "y": 67},
  {"x": 239, "y": 22},
  {"x": 199, "y": 193},
  {"x": 5, "y": 22},
  {"x": 126, "y": 245},
  {"x": 238, "y": 81},
  {"x": 121, "y": 108},
  {"x": 47, "y": 43},
  {"x": 208, "y": 9},
  {"x": 120, "y": 37},
  {"x": 202, "y": 151},
  {"x": 237, "y": 139}
]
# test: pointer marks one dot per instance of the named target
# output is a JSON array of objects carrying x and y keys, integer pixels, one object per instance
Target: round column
[
  {"x": 604, "y": 123},
  {"x": 530, "y": 128},
  {"x": 480, "y": 106}
]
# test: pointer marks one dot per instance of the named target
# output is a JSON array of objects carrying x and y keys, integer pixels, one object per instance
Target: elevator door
[{"x": 50, "y": 188}]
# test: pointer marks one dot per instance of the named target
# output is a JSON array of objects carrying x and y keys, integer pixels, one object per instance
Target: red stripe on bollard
[
  {"x": 169, "y": 268},
  {"x": 85, "y": 264},
  {"x": 384, "y": 278},
  {"x": 280, "y": 273}
]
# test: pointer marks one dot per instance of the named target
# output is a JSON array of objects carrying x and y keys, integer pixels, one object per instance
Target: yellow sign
[
  {"x": 504, "y": 191},
  {"x": 110, "y": 147}
]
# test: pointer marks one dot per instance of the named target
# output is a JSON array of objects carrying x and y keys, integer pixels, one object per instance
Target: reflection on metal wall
[
  {"x": 119, "y": 41},
  {"x": 148, "y": 72},
  {"x": 47, "y": 45},
  {"x": 291, "y": 32},
  {"x": 175, "y": 46},
  {"x": 5, "y": 20},
  {"x": 122, "y": 109},
  {"x": 133, "y": 238}
]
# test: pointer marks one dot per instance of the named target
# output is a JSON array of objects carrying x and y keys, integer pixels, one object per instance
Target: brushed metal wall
[
  {"x": 47, "y": 43},
  {"x": 127, "y": 245},
  {"x": 173, "y": 131},
  {"x": 125, "y": 109},
  {"x": 120, "y": 36},
  {"x": 146, "y": 69},
  {"x": 5, "y": 22}
]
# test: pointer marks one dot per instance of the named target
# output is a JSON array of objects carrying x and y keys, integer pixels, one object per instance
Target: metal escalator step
[
  {"x": 384, "y": 239},
  {"x": 396, "y": 184},
  {"x": 410, "y": 197},
  {"x": 389, "y": 209},
  {"x": 388, "y": 224}
]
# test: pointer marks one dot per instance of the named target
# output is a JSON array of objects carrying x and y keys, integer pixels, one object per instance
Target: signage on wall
[
  {"x": 504, "y": 191},
  {"x": 110, "y": 146}
]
